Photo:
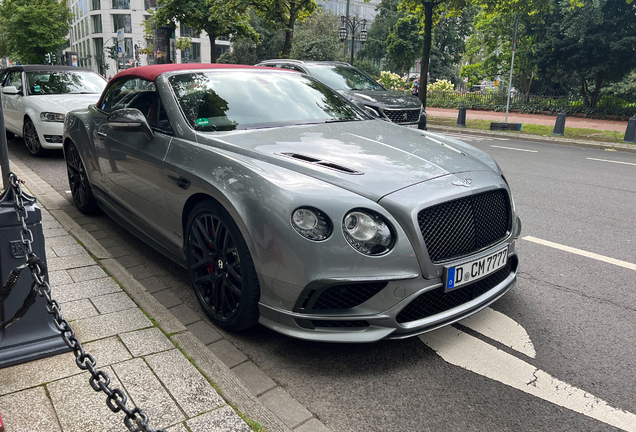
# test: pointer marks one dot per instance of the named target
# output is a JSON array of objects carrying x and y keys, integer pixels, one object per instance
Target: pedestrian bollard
[
  {"x": 33, "y": 335},
  {"x": 559, "y": 126},
  {"x": 630, "y": 133},
  {"x": 461, "y": 117}
]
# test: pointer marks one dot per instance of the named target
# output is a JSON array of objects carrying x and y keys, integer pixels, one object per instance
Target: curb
[
  {"x": 535, "y": 138},
  {"x": 231, "y": 388}
]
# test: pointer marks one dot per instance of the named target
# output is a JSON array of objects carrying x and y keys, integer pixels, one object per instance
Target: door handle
[{"x": 102, "y": 134}]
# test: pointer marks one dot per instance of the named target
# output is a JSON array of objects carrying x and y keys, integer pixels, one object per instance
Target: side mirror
[
  {"x": 130, "y": 119},
  {"x": 10, "y": 90}
]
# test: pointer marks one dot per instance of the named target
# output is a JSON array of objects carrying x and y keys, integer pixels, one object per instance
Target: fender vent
[{"x": 321, "y": 162}]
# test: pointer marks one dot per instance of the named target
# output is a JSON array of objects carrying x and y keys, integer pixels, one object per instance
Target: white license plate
[
  {"x": 413, "y": 126},
  {"x": 466, "y": 273}
]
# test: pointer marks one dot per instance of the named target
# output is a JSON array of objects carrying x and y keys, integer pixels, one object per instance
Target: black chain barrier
[{"x": 136, "y": 419}]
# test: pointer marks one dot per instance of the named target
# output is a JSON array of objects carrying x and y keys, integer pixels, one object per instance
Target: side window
[
  {"x": 15, "y": 79},
  {"x": 292, "y": 67},
  {"x": 129, "y": 93},
  {"x": 158, "y": 118}
]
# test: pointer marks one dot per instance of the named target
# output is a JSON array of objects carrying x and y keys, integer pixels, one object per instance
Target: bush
[
  {"x": 440, "y": 86},
  {"x": 392, "y": 81}
]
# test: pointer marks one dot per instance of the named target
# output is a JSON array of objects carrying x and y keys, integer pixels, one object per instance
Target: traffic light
[
  {"x": 112, "y": 52},
  {"x": 47, "y": 56},
  {"x": 136, "y": 52}
]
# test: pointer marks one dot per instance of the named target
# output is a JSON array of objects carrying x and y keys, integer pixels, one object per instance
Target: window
[
  {"x": 128, "y": 44},
  {"x": 15, "y": 79},
  {"x": 192, "y": 54},
  {"x": 131, "y": 93},
  {"x": 220, "y": 49},
  {"x": 97, "y": 23},
  {"x": 121, "y": 4},
  {"x": 122, "y": 22},
  {"x": 62, "y": 82},
  {"x": 95, "y": 5},
  {"x": 98, "y": 44},
  {"x": 150, "y": 4},
  {"x": 188, "y": 32}
]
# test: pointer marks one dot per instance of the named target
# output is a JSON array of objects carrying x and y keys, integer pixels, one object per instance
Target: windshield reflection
[
  {"x": 238, "y": 100},
  {"x": 47, "y": 83},
  {"x": 342, "y": 77}
]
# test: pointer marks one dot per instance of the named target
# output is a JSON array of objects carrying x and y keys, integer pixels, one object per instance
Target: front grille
[
  {"x": 333, "y": 324},
  {"x": 402, "y": 116},
  {"x": 347, "y": 296},
  {"x": 438, "y": 301},
  {"x": 465, "y": 225}
]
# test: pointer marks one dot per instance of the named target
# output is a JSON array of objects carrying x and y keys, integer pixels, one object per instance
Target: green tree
[
  {"x": 386, "y": 17},
  {"x": 215, "y": 17},
  {"x": 317, "y": 37},
  {"x": 404, "y": 43},
  {"x": 247, "y": 51},
  {"x": 283, "y": 15},
  {"x": 34, "y": 28},
  {"x": 596, "y": 41},
  {"x": 449, "y": 44}
]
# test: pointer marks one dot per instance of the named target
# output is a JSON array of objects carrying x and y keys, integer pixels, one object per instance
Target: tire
[
  {"x": 78, "y": 182},
  {"x": 31, "y": 138},
  {"x": 10, "y": 135},
  {"x": 221, "y": 268}
]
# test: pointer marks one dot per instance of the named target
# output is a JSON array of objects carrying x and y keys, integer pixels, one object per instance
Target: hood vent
[{"x": 320, "y": 162}]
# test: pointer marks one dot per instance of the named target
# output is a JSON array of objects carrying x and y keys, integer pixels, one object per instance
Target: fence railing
[{"x": 607, "y": 105}]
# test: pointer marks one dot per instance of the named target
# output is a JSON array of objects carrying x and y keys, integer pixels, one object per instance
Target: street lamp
[{"x": 352, "y": 24}]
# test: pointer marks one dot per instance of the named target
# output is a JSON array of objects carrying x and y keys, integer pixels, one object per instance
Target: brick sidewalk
[{"x": 540, "y": 119}]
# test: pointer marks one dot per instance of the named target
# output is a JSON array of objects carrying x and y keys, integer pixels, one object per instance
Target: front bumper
[
  {"x": 47, "y": 130},
  {"x": 354, "y": 325}
]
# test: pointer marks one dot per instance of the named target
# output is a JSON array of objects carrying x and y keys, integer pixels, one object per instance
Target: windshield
[
  {"x": 342, "y": 77},
  {"x": 225, "y": 101},
  {"x": 62, "y": 82}
]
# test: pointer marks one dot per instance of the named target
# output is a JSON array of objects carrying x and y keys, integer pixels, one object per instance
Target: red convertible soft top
[{"x": 150, "y": 73}]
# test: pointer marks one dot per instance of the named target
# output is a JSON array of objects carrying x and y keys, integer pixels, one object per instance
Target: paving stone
[
  {"x": 147, "y": 392},
  {"x": 99, "y": 234},
  {"x": 227, "y": 353},
  {"x": 87, "y": 273},
  {"x": 38, "y": 372},
  {"x": 221, "y": 420},
  {"x": 68, "y": 250},
  {"x": 255, "y": 379},
  {"x": 152, "y": 284},
  {"x": 204, "y": 332},
  {"x": 39, "y": 416},
  {"x": 78, "y": 309},
  {"x": 177, "y": 428},
  {"x": 147, "y": 341},
  {"x": 128, "y": 261},
  {"x": 108, "y": 242},
  {"x": 185, "y": 314},
  {"x": 193, "y": 393},
  {"x": 167, "y": 298},
  {"x": 56, "y": 232},
  {"x": 140, "y": 272},
  {"x": 90, "y": 227},
  {"x": 110, "y": 324},
  {"x": 49, "y": 252},
  {"x": 60, "y": 241},
  {"x": 313, "y": 425},
  {"x": 113, "y": 302},
  {"x": 83, "y": 220},
  {"x": 285, "y": 407},
  {"x": 80, "y": 408},
  {"x": 76, "y": 291},
  {"x": 70, "y": 262},
  {"x": 117, "y": 251},
  {"x": 51, "y": 224}
]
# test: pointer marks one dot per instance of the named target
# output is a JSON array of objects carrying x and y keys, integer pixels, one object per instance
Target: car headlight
[
  {"x": 372, "y": 110},
  {"x": 368, "y": 232},
  {"x": 311, "y": 223},
  {"x": 52, "y": 117}
]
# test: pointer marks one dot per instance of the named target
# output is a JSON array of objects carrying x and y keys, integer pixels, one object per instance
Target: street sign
[
  {"x": 120, "y": 35},
  {"x": 119, "y": 49},
  {"x": 130, "y": 62}
]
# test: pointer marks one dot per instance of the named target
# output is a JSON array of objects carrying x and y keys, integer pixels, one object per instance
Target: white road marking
[
  {"x": 605, "y": 160},
  {"x": 581, "y": 252},
  {"x": 518, "y": 149},
  {"x": 501, "y": 328},
  {"x": 465, "y": 351}
]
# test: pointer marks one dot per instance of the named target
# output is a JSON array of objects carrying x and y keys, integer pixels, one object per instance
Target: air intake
[{"x": 321, "y": 162}]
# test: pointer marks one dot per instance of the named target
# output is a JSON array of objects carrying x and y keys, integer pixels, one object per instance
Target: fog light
[{"x": 53, "y": 138}]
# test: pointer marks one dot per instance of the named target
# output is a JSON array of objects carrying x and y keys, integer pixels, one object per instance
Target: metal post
[
  {"x": 353, "y": 39},
  {"x": 461, "y": 117},
  {"x": 630, "y": 133},
  {"x": 345, "y": 41},
  {"x": 4, "y": 151},
  {"x": 514, "y": 48}
]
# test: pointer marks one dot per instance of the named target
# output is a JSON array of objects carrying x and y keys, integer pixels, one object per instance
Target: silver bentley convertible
[{"x": 292, "y": 207}]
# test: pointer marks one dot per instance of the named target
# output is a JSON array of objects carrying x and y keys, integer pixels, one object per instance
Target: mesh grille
[
  {"x": 347, "y": 296},
  {"x": 437, "y": 301},
  {"x": 466, "y": 225},
  {"x": 340, "y": 323},
  {"x": 397, "y": 116}
]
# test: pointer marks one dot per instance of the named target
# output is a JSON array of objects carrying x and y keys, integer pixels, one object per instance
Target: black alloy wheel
[
  {"x": 78, "y": 181},
  {"x": 222, "y": 271},
  {"x": 31, "y": 138}
]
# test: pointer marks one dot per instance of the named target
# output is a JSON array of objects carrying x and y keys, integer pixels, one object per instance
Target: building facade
[
  {"x": 94, "y": 31},
  {"x": 356, "y": 8}
]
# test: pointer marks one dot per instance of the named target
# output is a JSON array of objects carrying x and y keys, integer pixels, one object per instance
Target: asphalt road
[{"x": 578, "y": 310}]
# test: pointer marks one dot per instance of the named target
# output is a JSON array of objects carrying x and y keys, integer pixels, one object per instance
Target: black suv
[{"x": 361, "y": 89}]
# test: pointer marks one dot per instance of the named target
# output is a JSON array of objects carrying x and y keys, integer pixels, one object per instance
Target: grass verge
[{"x": 539, "y": 130}]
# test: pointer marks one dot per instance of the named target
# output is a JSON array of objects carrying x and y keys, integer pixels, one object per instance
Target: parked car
[
  {"x": 35, "y": 100},
  {"x": 291, "y": 206},
  {"x": 360, "y": 88}
]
